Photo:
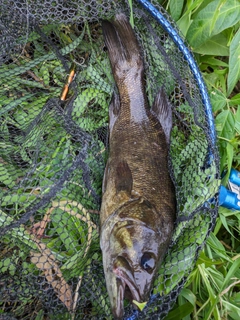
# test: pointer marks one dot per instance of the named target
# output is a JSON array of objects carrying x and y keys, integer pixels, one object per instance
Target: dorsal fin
[{"x": 162, "y": 109}]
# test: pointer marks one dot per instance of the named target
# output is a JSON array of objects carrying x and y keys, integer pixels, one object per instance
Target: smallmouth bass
[{"x": 138, "y": 200}]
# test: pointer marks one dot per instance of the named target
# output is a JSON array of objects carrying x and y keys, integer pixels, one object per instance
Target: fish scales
[
  {"x": 138, "y": 201},
  {"x": 146, "y": 156}
]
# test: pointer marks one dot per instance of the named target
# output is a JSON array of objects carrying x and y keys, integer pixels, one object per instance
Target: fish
[{"x": 138, "y": 207}]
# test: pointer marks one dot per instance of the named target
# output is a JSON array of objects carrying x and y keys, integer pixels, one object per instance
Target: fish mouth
[{"x": 126, "y": 286}]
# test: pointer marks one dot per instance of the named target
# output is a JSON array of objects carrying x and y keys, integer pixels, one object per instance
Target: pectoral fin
[
  {"x": 124, "y": 180},
  {"x": 162, "y": 109}
]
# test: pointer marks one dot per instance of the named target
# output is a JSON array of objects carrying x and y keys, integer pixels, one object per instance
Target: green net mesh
[{"x": 54, "y": 151}]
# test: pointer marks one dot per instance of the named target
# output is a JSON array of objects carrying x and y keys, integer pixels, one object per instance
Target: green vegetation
[
  {"x": 212, "y": 31},
  {"x": 63, "y": 240}
]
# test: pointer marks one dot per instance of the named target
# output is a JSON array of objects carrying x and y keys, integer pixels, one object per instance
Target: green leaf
[
  {"x": 44, "y": 72},
  {"x": 237, "y": 114},
  {"x": 225, "y": 224},
  {"x": 217, "y": 46},
  {"x": 213, "y": 61},
  {"x": 65, "y": 228},
  {"x": 180, "y": 312},
  {"x": 229, "y": 156},
  {"x": 50, "y": 56},
  {"x": 225, "y": 124},
  {"x": 234, "y": 63},
  {"x": 188, "y": 295},
  {"x": 99, "y": 83},
  {"x": 205, "y": 279},
  {"x": 87, "y": 117},
  {"x": 176, "y": 8},
  {"x": 217, "y": 16},
  {"x": 15, "y": 103},
  {"x": 186, "y": 19},
  {"x": 40, "y": 315},
  {"x": 218, "y": 100},
  {"x": 235, "y": 100},
  {"x": 183, "y": 24},
  {"x": 217, "y": 247},
  {"x": 231, "y": 273},
  {"x": 131, "y": 13},
  {"x": 8, "y": 175},
  {"x": 18, "y": 233},
  {"x": 207, "y": 261},
  {"x": 237, "y": 120},
  {"x": 233, "y": 310},
  {"x": 216, "y": 277}
]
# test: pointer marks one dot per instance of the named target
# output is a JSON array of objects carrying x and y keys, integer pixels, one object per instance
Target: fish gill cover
[{"x": 56, "y": 87}]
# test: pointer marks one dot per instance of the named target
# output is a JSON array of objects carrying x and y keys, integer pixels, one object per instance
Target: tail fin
[{"x": 121, "y": 42}]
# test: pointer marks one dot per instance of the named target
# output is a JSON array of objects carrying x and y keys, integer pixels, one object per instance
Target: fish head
[{"x": 133, "y": 244}]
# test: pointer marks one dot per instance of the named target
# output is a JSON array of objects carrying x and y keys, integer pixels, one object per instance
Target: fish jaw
[
  {"x": 132, "y": 252},
  {"x": 121, "y": 278},
  {"x": 123, "y": 272}
]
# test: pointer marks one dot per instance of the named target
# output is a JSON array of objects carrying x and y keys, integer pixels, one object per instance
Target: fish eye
[{"x": 148, "y": 262}]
